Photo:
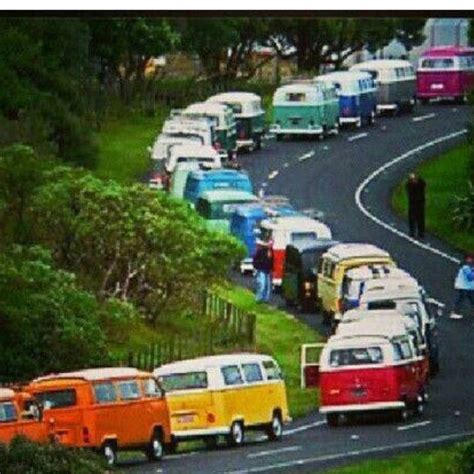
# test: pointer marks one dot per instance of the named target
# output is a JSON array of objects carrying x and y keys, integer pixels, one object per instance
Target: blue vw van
[
  {"x": 200, "y": 181},
  {"x": 357, "y": 94},
  {"x": 245, "y": 225}
]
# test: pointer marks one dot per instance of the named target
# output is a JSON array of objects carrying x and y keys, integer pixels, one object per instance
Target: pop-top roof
[
  {"x": 355, "y": 250},
  {"x": 94, "y": 374}
]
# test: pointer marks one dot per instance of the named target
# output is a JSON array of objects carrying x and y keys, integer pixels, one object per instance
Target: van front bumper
[
  {"x": 296, "y": 131},
  {"x": 362, "y": 407}
]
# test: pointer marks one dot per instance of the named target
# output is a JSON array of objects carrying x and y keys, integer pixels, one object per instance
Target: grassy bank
[
  {"x": 123, "y": 154},
  {"x": 281, "y": 335},
  {"x": 446, "y": 177}
]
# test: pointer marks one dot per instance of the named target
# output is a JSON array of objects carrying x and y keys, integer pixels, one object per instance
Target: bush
[
  {"x": 463, "y": 210},
  {"x": 24, "y": 456},
  {"x": 464, "y": 459}
]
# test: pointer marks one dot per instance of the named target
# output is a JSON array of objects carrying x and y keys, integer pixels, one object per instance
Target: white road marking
[
  {"x": 273, "y": 174},
  {"x": 414, "y": 425},
  {"x": 357, "y": 137},
  {"x": 362, "y": 186},
  {"x": 286, "y": 165},
  {"x": 303, "y": 427},
  {"x": 353, "y": 453},
  {"x": 306, "y": 156},
  {"x": 183, "y": 455},
  {"x": 420, "y": 118},
  {"x": 273, "y": 451}
]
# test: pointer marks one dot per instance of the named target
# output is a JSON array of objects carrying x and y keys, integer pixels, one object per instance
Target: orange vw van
[
  {"x": 20, "y": 416},
  {"x": 107, "y": 409}
]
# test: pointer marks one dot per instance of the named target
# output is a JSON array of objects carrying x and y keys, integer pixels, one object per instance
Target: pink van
[{"x": 445, "y": 72}]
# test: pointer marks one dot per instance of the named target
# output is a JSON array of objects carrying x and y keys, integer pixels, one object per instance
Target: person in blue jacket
[
  {"x": 464, "y": 286},
  {"x": 263, "y": 264}
]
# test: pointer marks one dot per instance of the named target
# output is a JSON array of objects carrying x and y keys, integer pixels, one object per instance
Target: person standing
[
  {"x": 263, "y": 264},
  {"x": 464, "y": 286},
  {"x": 415, "y": 188}
]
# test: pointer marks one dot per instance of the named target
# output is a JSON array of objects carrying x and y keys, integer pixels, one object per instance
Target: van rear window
[
  {"x": 186, "y": 381},
  {"x": 7, "y": 412},
  {"x": 57, "y": 398},
  {"x": 299, "y": 236},
  {"x": 296, "y": 97},
  {"x": 355, "y": 356},
  {"x": 272, "y": 370}
]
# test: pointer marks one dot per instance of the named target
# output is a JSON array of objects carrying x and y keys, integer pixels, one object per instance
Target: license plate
[
  {"x": 359, "y": 392},
  {"x": 437, "y": 86},
  {"x": 185, "y": 419}
]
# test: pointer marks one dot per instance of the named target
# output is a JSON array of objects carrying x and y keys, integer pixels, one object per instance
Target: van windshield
[
  {"x": 356, "y": 356},
  {"x": 223, "y": 210},
  {"x": 186, "y": 381},
  {"x": 7, "y": 412},
  {"x": 57, "y": 398}
]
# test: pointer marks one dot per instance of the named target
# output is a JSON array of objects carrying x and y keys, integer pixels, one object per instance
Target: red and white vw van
[
  {"x": 445, "y": 72},
  {"x": 285, "y": 230},
  {"x": 369, "y": 370}
]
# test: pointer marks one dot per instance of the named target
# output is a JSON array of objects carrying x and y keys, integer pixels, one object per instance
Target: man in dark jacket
[
  {"x": 415, "y": 188},
  {"x": 263, "y": 264}
]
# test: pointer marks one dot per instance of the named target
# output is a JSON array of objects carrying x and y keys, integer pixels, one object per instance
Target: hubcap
[
  {"x": 237, "y": 432},
  {"x": 109, "y": 455},
  {"x": 276, "y": 426},
  {"x": 157, "y": 448}
]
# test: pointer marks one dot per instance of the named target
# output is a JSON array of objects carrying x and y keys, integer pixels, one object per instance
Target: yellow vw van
[
  {"x": 224, "y": 395},
  {"x": 334, "y": 264}
]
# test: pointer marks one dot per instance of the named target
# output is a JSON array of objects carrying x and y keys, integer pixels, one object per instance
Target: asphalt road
[{"x": 339, "y": 177}]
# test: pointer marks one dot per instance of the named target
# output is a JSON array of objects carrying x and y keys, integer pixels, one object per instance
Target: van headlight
[{"x": 308, "y": 285}]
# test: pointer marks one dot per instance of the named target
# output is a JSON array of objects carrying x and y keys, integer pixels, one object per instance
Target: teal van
[
  {"x": 305, "y": 108},
  {"x": 225, "y": 127},
  {"x": 249, "y": 117},
  {"x": 217, "y": 206},
  {"x": 200, "y": 181}
]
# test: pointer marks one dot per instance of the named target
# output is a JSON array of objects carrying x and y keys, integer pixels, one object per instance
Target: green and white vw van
[
  {"x": 249, "y": 117},
  {"x": 226, "y": 132},
  {"x": 305, "y": 108},
  {"x": 218, "y": 205}
]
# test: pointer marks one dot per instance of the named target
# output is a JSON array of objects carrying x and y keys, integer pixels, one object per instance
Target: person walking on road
[
  {"x": 464, "y": 286},
  {"x": 263, "y": 264},
  {"x": 415, "y": 188}
]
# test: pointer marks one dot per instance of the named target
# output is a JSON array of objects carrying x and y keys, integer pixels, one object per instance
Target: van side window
[
  {"x": 128, "y": 390},
  {"x": 105, "y": 392},
  {"x": 272, "y": 370},
  {"x": 252, "y": 373},
  {"x": 184, "y": 381},
  {"x": 7, "y": 412},
  {"x": 232, "y": 375},
  {"x": 329, "y": 268},
  {"x": 57, "y": 398},
  {"x": 151, "y": 388},
  {"x": 402, "y": 350}
]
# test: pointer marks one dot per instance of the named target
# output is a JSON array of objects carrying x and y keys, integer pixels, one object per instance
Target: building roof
[
  {"x": 94, "y": 374},
  {"x": 347, "y": 251}
]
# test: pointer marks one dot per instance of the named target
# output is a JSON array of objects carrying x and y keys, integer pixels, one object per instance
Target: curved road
[{"x": 350, "y": 178}]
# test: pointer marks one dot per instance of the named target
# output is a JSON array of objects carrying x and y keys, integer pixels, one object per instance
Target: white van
[{"x": 205, "y": 155}]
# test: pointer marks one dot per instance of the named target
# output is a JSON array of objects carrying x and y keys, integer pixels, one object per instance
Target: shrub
[
  {"x": 24, "y": 456},
  {"x": 463, "y": 210}
]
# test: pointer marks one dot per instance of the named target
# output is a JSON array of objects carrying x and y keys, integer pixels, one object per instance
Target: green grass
[
  {"x": 446, "y": 177},
  {"x": 123, "y": 154},
  {"x": 435, "y": 461},
  {"x": 280, "y": 334}
]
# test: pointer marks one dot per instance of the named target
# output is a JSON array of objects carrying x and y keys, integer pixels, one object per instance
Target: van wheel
[
  {"x": 109, "y": 451},
  {"x": 154, "y": 451},
  {"x": 275, "y": 428},
  {"x": 402, "y": 415},
  {"x": 332, "y": 419},
  {"x": 279, "y": 137},
  {"x": 371, "y": 118},
  {"x": 358, "y": 123},
  {"x": 236, "y": 435}
]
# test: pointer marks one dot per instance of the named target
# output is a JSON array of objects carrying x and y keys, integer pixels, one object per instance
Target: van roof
[
  {"x": 308, "y": 245},
  {"x": 357, "y": 340},
  {"x": 292, "y": 223},
  {"x": 254, "y": 209},
  {"x": 347, "y": 251},
  {"x": 194, "y": 150},
  {"x": 393, "y": 285},
  {"x": 310, "y": 86},
  {"x": 214, "y": 195},
  {"x": 362, "y": 314},
  {"x": 206, "y": 108},
  {"x": 344, "y": 76},
  {"x": 202, "y": 363},
  {"x": 391, "y": 327},
  {"x": 6, "y": 393},
  {"x": 376, "y": 271},
  {"x": 378, "y": 64},
  {"x": 233, "y": 97},
  {"x": 94, "y": 374},
  {"x": 218, "y": 174},
  {"x": 447, "y": 51}
]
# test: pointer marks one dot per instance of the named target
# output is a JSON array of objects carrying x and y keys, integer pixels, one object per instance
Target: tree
[
  {"x": 129, "y": 242},
  {"x": 47, "y": 324}
]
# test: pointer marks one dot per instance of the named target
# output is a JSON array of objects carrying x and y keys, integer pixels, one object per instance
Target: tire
[
  {"x": 210, "y": 442},
  {"x": 275, "y": 428},
  {"x": 279, "y": 137},
  {"x": 154, "y": 451},
  {"x": 332, "y": 419},
  {"x": 258, "y": 143},
  {"x": 424, "y": 101},
  {"x": 371, "y": 118},
  {"x": 109, "y": 451},
  {"x": 236, "y": 435},
  {"x": 403, "y": 414}
]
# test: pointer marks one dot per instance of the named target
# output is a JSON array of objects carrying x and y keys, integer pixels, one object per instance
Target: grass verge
[
  {"x": 123, "y": 154},
  {"x": 446, "y": 177},
  {"x": 281, "y": 335}
]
